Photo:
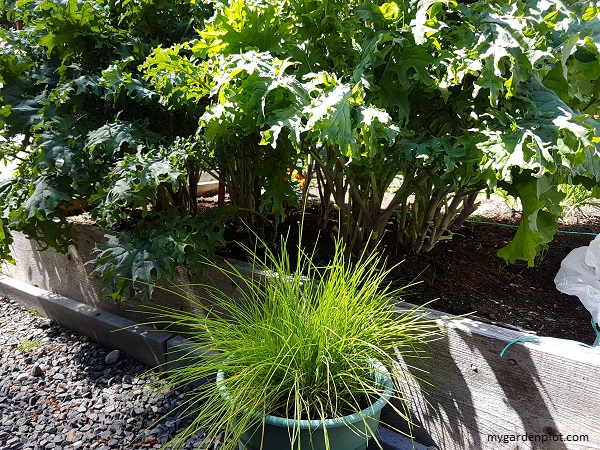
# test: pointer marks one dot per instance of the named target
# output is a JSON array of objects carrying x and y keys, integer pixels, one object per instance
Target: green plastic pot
[{"x": 350, "y": 432}]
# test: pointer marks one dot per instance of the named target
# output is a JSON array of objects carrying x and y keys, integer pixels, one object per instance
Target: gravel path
[{"x": 61, "y": 390}]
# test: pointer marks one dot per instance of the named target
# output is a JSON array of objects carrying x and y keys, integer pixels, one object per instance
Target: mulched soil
[{"x": 465, "y": 276}]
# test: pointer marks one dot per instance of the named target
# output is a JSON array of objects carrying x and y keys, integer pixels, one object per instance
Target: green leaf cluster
[
  {"x": 131, "y": 262},
  {"x": 84, "y": 126},
  {"x": 146, "y": 181},
  {"x": 121, "y": 107},
  {"x": 455, "y": 97}
]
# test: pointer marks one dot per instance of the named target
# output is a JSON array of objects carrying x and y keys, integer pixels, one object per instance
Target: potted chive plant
[{"x": 303, "y": 359}]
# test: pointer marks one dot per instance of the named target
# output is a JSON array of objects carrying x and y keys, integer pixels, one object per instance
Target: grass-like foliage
[
  {"x": 28, "y": 345},
  {"x": 298, "y": 343}
]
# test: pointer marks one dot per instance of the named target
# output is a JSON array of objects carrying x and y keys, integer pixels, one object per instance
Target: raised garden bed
[
  {"x": 464, "y": 275},
  {"x": 468, "y": 396}
]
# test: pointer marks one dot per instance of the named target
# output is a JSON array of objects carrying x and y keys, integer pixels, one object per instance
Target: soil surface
[{"x": 464, "y": 275}]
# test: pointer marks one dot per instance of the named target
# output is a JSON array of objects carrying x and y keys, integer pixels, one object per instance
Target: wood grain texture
[
  {"x": 70, "y": 274},
  {"x": 545, "y": 387}
]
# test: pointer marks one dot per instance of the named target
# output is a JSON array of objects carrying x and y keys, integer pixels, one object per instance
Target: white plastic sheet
[{"x": 579, "y": 275}]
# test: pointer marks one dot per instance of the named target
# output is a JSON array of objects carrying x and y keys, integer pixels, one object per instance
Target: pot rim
[{"x": 382, "y": 375}]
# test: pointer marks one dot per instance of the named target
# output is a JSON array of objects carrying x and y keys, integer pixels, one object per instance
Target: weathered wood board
[
  {"x": 469, "y": 397},
  {"x": 70, "y": 274},
  {"x": 539, "y": 395}
]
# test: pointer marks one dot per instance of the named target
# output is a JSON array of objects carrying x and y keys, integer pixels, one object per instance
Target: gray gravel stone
[
  {"x": 22, "y": 377},
  {"x": 68, "y": 394},
  {"x": 36, "y": 371},
  {"x": 112, "y": 357}
]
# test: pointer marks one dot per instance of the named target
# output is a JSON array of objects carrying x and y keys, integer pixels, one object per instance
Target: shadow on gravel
[{"x": 70, "y": 392}]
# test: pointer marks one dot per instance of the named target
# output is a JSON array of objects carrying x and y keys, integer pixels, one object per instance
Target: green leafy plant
[
  {"x": 85, "y": 129},
  {"x": 129, "y": 263},
  {"x": 456, "y": 97},
  {"x": 150, "y": 181},
  {"x": 28, "y": 345},
  {"x": 298, "y": 342},
  {"x": 470, "y": 87},
  {"x": 576, "y": 197}
]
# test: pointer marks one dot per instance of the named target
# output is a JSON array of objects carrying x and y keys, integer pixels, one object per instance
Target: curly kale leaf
[{"x": 131, "y": 263}]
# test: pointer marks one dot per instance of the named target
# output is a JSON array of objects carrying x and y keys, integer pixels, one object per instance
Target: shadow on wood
[{"x": 470, "y": 398}]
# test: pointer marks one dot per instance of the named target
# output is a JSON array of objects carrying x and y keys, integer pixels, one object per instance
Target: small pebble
[
  {"x": 22, "y": 377},
  {"x": 36, "y": 371},
  {"x": 69, "y": 393},
  {"x": 112, "y": 357}
]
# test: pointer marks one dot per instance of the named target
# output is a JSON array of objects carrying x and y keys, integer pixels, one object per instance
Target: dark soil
[{"x": 464, "y": 275}]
